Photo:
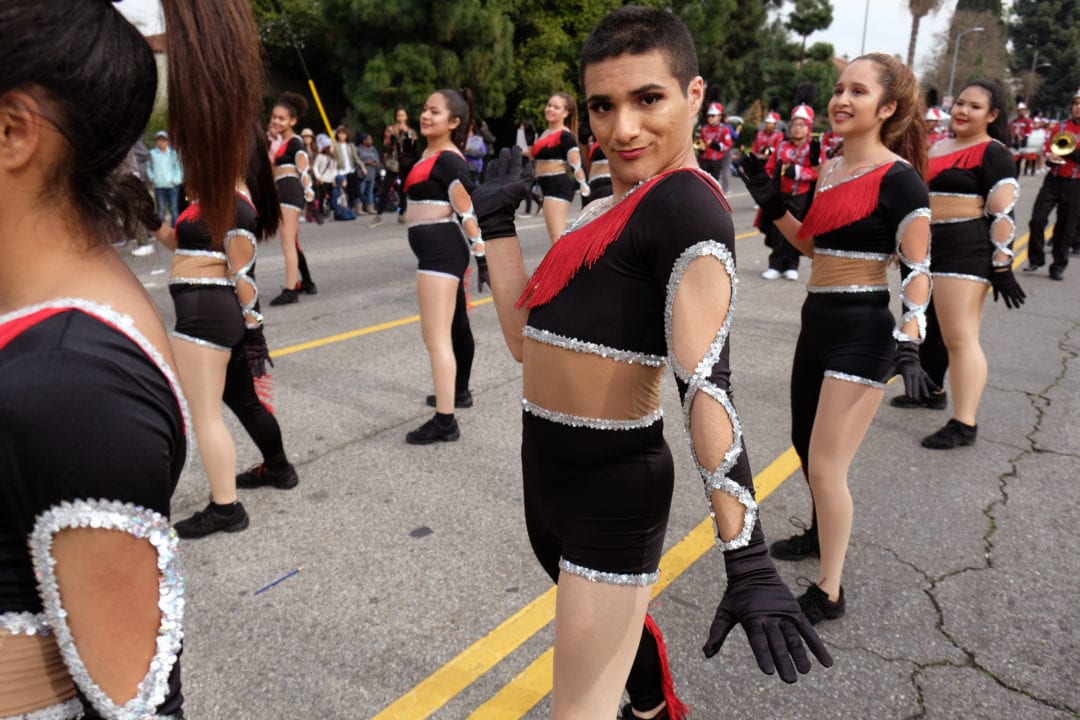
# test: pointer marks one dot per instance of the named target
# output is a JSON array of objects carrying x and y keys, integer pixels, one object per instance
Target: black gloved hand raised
[
  {"x": 482, "y": 276},
  {"x": 256, "y": 352},
  {"x": 715, "y": 145},
  {"x": 1005, "y": 285},
  {"x": 917, "y": 384},
  {"x": 775, "y": 626},
  {"x": 760, "y": 187},
  {"x": 506, "y": 184}
]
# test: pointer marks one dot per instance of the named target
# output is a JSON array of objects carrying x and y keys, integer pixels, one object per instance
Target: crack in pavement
[{"x": 1039, "y": 402}]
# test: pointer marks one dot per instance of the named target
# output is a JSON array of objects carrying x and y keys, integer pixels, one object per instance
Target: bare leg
[
  {"x": 437, "y": 296},
  {"x": 555, "y": 213},
  {"x": 202, "y": 375},
  {"x": 597, "y": 630},
  {"x": 959, "y": 305},
  {"x": 844, "y": 413},
  {"x": 288, "y": 233}
]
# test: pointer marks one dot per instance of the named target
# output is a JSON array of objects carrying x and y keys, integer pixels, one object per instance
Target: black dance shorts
[
  {"x": 560, "y": 187},
  {"x": 963, "y": 250},
  {"x": 599, "y": 188},
  {"x": 847, "y": 336},
  {"x": 290, "y": 192},
  {"x": 440, "y": 249},
  {"x": 597, "y": 501},
  {"x": 208, "y": 315}
]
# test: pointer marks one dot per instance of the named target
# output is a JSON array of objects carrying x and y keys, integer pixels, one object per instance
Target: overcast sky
[{"x": 887, "y": 30}]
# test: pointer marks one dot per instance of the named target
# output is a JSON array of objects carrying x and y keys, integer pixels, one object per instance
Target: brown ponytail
[
  {"x": 905, "y": 131},
  {"x": 571, "y": 110},
  {"x": 215, "y": 84}
]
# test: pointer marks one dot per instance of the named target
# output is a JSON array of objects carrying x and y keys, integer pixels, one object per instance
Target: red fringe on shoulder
[
  {"x": 963, "y": 159},
  {"x": 547, "y": 141},
  {"x": 843, "y": 204},
  {"x": 584, "y": 246},
  {"x": 676, "y": 708}
]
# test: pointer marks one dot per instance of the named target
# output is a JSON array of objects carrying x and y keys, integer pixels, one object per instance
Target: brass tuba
[{"x": 1062, "y": 144}]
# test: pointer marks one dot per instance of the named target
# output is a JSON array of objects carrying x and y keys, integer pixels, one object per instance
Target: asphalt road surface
[{"x": 419, "y": 595}]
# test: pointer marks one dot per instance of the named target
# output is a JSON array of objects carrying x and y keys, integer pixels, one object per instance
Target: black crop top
[
  {"x": 193, "y": 234},
  {"x": 554, "y": 147},
  {"x": 286, "y": 154},
  {"x": 430, "y": 179},
  {"x": 951, "y": 176}
]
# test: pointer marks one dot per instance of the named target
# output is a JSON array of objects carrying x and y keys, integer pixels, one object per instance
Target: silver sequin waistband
[{"x": 592, "y": 423}]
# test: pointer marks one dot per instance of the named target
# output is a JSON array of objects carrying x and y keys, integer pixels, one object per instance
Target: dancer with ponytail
[
  {"x": 973, "y": 189},
  {"x": 645, "y": 278},
  {"x": 553, "y": 153},
  {"x": 93, "y": 425},
  {"x": 442, "y": 232},
  {"x": 292, "y": 172},
  {"x": 871, "y": 205}
]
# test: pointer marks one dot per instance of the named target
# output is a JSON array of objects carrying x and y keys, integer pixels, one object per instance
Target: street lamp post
[{"x": 956, "y": 51}]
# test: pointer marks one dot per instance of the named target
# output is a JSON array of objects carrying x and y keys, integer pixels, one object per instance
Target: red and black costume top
[
  {"x": 796, "y": 162},
  {"x": 712, "y": 136},
  {"x": 556, "y": 146},
  {"x": 766, "y": 140},
  {"x": 430, "y": 179},
  {"x": 1071, "y": 167},
  {"x": 92, "y": 434},
  {"x": 286, "y": 154}
]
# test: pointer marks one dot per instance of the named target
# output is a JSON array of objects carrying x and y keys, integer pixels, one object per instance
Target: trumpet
[{"x": 1062, "y": 144}]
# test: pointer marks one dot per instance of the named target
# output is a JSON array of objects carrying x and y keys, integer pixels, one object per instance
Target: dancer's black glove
[
  {"x": 1005, "y": 285},
  {"x": 506, "y": 184},
  {"x": 760, "y": 187},
  {"x": 906, "y": 364},
  {"x": 256, "y": 352},
  {"x": 758, "y": 599},
  {"x": 715, "y": 145},
  {"x": 482, "y": 276}
]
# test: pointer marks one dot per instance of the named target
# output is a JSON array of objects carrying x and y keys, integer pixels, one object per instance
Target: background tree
[
  {"x": 919, "y": 9},
  {"x": 981, "y": 54},
  {"x": 1045, "y": 36},
  {"x": 809, "y": 16}
]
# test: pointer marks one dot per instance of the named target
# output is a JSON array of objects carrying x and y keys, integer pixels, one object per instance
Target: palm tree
[{"x": 919, "y": 10}]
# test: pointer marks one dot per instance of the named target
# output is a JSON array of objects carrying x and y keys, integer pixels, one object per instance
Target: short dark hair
[
  {"x": 636, "y": 30},
  {"x": 999, "y": 128}
]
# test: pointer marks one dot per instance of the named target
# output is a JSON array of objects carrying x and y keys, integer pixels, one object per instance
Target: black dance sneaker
[
  {"x": 934, "y": 401},
  {"x": 430, "y": 432},
  {"x": 817, "y": 606},
  {"x": 287, "y": 297},
  {"x": 307, "y": 287},
  {"x": 797, "y": 547},
  {"x": 1057, "y": 273},
  {"x": 212, "y": 520},
  {"x": 954, "y": 434},
  {"x": 1032, "y": 267},
  {"x": 461, "y": 400},
  {"x": 261, "y": 475}
]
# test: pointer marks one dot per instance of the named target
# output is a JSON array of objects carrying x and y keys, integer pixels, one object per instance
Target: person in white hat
[
  {"x": 937, "y": 123},
  {"x": 716, "y": 138},
  {"x": 1021, "y": 126},
  {"x": 768, "y": 136},
  {"x": 794, "y": 166}
]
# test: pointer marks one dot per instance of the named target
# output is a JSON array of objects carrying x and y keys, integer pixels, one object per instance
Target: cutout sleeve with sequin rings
[{"x": 92, "y": 442}]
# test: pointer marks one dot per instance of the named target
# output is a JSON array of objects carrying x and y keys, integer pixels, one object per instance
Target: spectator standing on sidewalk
[
  {"x": 369, "y": 160},
  {"x": 348, "y": 165},
  {"x": 399, "y": 155},
  {"x": 166, "y": 173}
]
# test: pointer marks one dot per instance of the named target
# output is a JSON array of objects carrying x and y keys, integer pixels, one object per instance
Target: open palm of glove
[
  {"x": 758, "y": 600},
  {"x": 506, "y": 184},
  {"x": 906, "y": 364},
  {"x": 760, "y": 186}
]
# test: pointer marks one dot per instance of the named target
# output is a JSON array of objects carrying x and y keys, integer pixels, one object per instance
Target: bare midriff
[
  {"x": 32, "y": 674},
  {"x": 198, "y": 266},
  {"x": 417, "y": 212},
  {"x": 550, "y": 167},
  {"x": 588, "y": 385},
  {"x": 281, "y": 172},
  {"x": 829, "y": 271},
  {"x": 953, "y": 207}
]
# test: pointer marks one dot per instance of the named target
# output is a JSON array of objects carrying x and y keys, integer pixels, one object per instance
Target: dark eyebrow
[{"x": 643, "y": 90}]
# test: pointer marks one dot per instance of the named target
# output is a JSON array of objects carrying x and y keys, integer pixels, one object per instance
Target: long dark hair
[
  {"x": 999, "y": 128},
  {"x": 95, "y": 78},
  {"x": 459, "y": 104},
  {"x": 904, "y": 132},
  {"x": 259, "y": 179}
]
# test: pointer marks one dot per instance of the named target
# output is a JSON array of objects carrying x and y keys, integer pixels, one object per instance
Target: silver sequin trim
[
  {"x": 913, "y": 310},
  {"x": 220, "y": 282},
  {"x": 847, "y": 377},
  {"x": 973, "y": 196},
  {"x": 846, "y": 288},
  {"x": 126, "y": 326},
  {"x": 593, "y": 423},
  {"x": 1003, "y": 247},
  {"x": 954, "y": 221},
  {"x": 216, "y": 255},
  {"x": 440, "y": 203},
  {"x": 568, "y": 343},
  {"x": 292, "y": 207},
  {"x": 698, "y": 381},
  {"x": 244, "y": 275},
  {"x": 143, "y": 524},
  {"x": 68, "y": 710},
  {"x": 199, "y": 341},
  {"x": 609, "y": 578},
  {"x": 962, "y": 276},
  {"x": 557, "y": 199},
  {"x": 439, "y": 221},
  {"x": 852, "y": 254},
  {"x": 551, "y": 174},
  {"x": 1016, "y": 195},
  {"x": 436, "y": 273},
  {"x": 464, "y": 215},
  {"x": 24, "y": 623}
]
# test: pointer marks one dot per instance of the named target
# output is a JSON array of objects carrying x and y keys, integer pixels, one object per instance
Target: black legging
[
  {"x": 933, "y": 355},
  {"x": 260, "y": 423},
  {"x": 462, "y": 339}
]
